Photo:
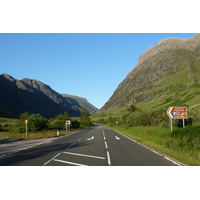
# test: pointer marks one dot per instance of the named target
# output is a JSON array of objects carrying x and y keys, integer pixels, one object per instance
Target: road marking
[
  {"x": 91, "y": 138},
  {"x": 51, "y": 159},
  {"x": 172, "y": 160},
  {"x": 84, "y": 155},
  {"x": 106, "y": 144},
  {"x": 108, "y": 156},
  {"x": 104, "y": 137},
  {"x": 71, "y": 163},
  {"x": 71, "y": 145},
  {"x": 117, "y": 138}
]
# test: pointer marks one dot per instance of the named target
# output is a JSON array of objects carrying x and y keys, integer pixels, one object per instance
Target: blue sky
[{"x": 89, "y": 65}]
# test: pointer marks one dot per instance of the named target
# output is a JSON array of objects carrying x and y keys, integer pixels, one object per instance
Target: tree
[
  {"x": 24, "y": 116},
  {"x": 64, "y": 116},
  {"x": 132, "y": 108},
  {"x": 37, "y": 122},
  {"x": 85, "y": 120}
]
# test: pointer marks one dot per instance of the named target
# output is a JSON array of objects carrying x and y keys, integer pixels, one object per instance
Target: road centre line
[
  {"x": 66, "y": 162},
  {"x": 108, "y": 156},
  {"x": 106, "y": 144},
  {"x": 84, "y": 155},
  {"x": 104, "y": 137}
]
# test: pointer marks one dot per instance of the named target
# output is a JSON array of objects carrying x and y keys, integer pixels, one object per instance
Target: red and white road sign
[{"x": 177, "y": 112}]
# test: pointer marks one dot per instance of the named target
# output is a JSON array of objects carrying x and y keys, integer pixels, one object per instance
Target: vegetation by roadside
[
  {"x": 39, "y": 127},
  {"x": 177, "y": 144},
  {"x": 7, "y": 136}
]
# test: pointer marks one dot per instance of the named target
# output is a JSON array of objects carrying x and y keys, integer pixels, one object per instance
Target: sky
[{"x": 89, "y": 65}]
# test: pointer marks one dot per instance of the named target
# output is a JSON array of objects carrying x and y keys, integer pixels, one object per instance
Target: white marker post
[
  {"x": 26, "y": 122},
  {"x": 68, "y": 122}
]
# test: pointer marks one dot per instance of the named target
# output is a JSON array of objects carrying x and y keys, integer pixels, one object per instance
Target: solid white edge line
[
  {"x": 172, "y": 160},
  {"x": 66, "y": 162},
  {"x": 164, "y": 156},
  {"x": 84, "y": 155}
]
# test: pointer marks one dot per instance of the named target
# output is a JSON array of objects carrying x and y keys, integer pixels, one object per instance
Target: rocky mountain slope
[
  {"x": 78, "y": 103},
  {"x": 18, "y": 96},
  {"x": 167, "y": 74}
]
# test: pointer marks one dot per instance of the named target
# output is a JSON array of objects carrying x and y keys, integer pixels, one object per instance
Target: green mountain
[
  {"x": 33, "y": 96},
  {"x": 167, "y": 74}
]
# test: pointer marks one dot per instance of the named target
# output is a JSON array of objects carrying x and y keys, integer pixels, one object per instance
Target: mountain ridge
[{"x": 33, "y": 96}]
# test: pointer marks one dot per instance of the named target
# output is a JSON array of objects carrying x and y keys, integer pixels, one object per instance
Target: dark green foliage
[
  {"x": 18, "y": 126},
  {"x": 85, "y": 120},
  {"x": 64, "y": 116},
  {"x": 188, "y": 122},
  {"x": 188, "y": 136},
  {"x": 24, "y": 116},
  {"x": 57, "y": 124},
  {"x": 37, "y": 122},
  {"x": 75, "y": 124},
  {"x": 1, "y": 129}
]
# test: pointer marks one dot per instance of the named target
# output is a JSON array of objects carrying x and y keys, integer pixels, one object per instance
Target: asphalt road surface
[{"x": 97, "y": 146}]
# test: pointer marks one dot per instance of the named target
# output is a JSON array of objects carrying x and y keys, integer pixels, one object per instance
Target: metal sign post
[
  {"x": 177, "y": 113},
  {"x": 26, "y": 122}
]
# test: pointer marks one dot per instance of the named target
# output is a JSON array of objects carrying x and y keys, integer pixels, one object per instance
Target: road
[{"x": 97, "y": 146}]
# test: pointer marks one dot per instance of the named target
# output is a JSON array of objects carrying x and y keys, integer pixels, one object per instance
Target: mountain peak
[{"x": 171, "y": 43}]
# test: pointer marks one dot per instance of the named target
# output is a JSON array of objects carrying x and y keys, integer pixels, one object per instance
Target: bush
[
  {"x": 75, "y": 124},
  {"x": 18, "y": 127},
  {"x": 188, "y": 136},
  {"x": 85, "y": 120},
  {"x": 37, "y": 122},
  {"x": 57, "y": 124}
]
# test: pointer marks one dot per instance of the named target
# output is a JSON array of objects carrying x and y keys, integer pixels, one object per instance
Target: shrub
[
  {"x": 57, "y": 124},
  {"x": 37, "y": 122},
  {"x": 188, "y": 136}
]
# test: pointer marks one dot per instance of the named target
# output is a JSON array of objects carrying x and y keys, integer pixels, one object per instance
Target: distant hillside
[
  {"x": 18, "y": 96},
  {"x": 78, "y": 103},
  {"x": 167, "y": 74}
]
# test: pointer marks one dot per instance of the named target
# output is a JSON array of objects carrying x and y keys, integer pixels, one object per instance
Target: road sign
[
  {"x": 68, "y": 122},
  {"x": 26, "y": 121},
  {"x": 177, "y": 112}
]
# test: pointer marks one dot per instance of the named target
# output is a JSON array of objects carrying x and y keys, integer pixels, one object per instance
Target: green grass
[
  {"x": 160, "y": 140},
  {"x": 33, "y": 135},
  {"x": 8, "y": 135}
]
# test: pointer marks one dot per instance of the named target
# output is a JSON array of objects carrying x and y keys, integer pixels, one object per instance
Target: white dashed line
[
  {"x": 106, "y": 145},
  {"x": 108, "y": 156}
]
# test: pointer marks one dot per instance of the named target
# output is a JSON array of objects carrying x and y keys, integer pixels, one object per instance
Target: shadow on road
[{"x": 36, "y": 156}]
